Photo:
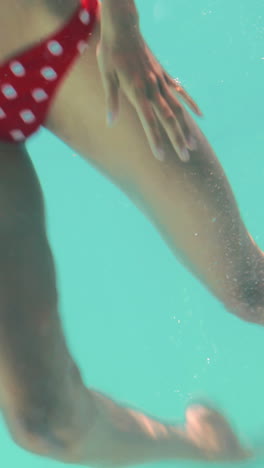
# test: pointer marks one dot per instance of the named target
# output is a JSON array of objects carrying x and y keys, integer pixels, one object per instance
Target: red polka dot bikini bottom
[{"x": 28, "y": 81}]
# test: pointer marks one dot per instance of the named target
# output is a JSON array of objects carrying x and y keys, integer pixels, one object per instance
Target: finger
[
  {"x": 111, "y": 88},
  {"x": 168, "y": 118},
  {"x": 175, "y": 84},
  {"x": 150, "y": 125},
  {"x": 179, "y": 113}
]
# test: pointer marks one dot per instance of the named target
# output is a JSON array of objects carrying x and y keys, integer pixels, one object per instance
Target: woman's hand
[{"x": 128, "y": 65}]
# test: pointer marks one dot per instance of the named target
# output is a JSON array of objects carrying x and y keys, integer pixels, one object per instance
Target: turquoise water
[{"x": 142, "y": 328}]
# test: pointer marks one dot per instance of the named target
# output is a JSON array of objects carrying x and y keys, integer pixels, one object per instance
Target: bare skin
[
  {"x": 126, "y": 63},
  {"x": 45, "y": 402}
]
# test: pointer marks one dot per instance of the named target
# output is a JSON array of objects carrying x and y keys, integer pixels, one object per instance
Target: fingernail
[
  {"x": 192, "y": 145},
  {"x": 185, "y": 156},
  {"x": 110, "y": 118},
  {"x": 159, "y": 154}
]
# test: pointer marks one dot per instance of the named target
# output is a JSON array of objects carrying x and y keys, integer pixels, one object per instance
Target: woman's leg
[
  {"x": 41, "y": 391},
  {"x": 191, "y": 204},
  {"x": 47, "y": 407}
]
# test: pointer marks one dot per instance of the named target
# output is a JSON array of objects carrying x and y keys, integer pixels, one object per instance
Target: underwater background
[{"x": 141, "y": 327}]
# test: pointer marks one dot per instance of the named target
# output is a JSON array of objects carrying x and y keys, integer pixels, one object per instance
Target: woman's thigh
[{"x": 191, "y": 204}]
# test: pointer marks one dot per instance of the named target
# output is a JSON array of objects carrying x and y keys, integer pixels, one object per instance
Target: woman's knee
[
  {"x": 39, "y": 431},
  {"x": 246, "y": 300},
  {"x": 248, "y": 309},
  {"x": 50, "y": 420}
]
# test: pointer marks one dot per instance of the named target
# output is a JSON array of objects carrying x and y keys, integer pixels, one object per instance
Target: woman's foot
[{"x": 210, "y": 432}]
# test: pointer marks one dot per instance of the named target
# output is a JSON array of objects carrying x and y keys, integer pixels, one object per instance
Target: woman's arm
[{"x": 125, "y": 10}]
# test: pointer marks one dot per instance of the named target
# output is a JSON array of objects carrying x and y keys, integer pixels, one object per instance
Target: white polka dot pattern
[
  {"x": 27, "y": 116},
  {"x": 17, "y": 68},
  {"x": 81, "y": 47},
  {"x": 9, "y": 91},
  {"x": 29, "y": 81},
  {"x": 2, "y": 113},
  {"x": 39, "y": 95},
  {"x": 84, "y": 17},
  {"x": 17, "y": 135},
  {"x": 55, "y": 48},
  {"x": 48, "y": 73}
]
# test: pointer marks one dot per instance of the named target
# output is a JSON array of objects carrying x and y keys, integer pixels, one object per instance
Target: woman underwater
[{"x": 74, "y": 58}]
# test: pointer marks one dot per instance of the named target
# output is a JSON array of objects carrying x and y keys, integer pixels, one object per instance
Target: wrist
[{"x": 122, "y": 13}]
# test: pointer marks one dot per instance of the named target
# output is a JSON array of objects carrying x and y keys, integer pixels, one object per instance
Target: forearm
[
  {"x": 122, "y": 436},
  {"x": 122, "y": 12},
  {"x": 116, "y": 6}
]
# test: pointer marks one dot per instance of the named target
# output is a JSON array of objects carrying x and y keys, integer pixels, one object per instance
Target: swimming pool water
[{"x": 140, "y": 326}]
